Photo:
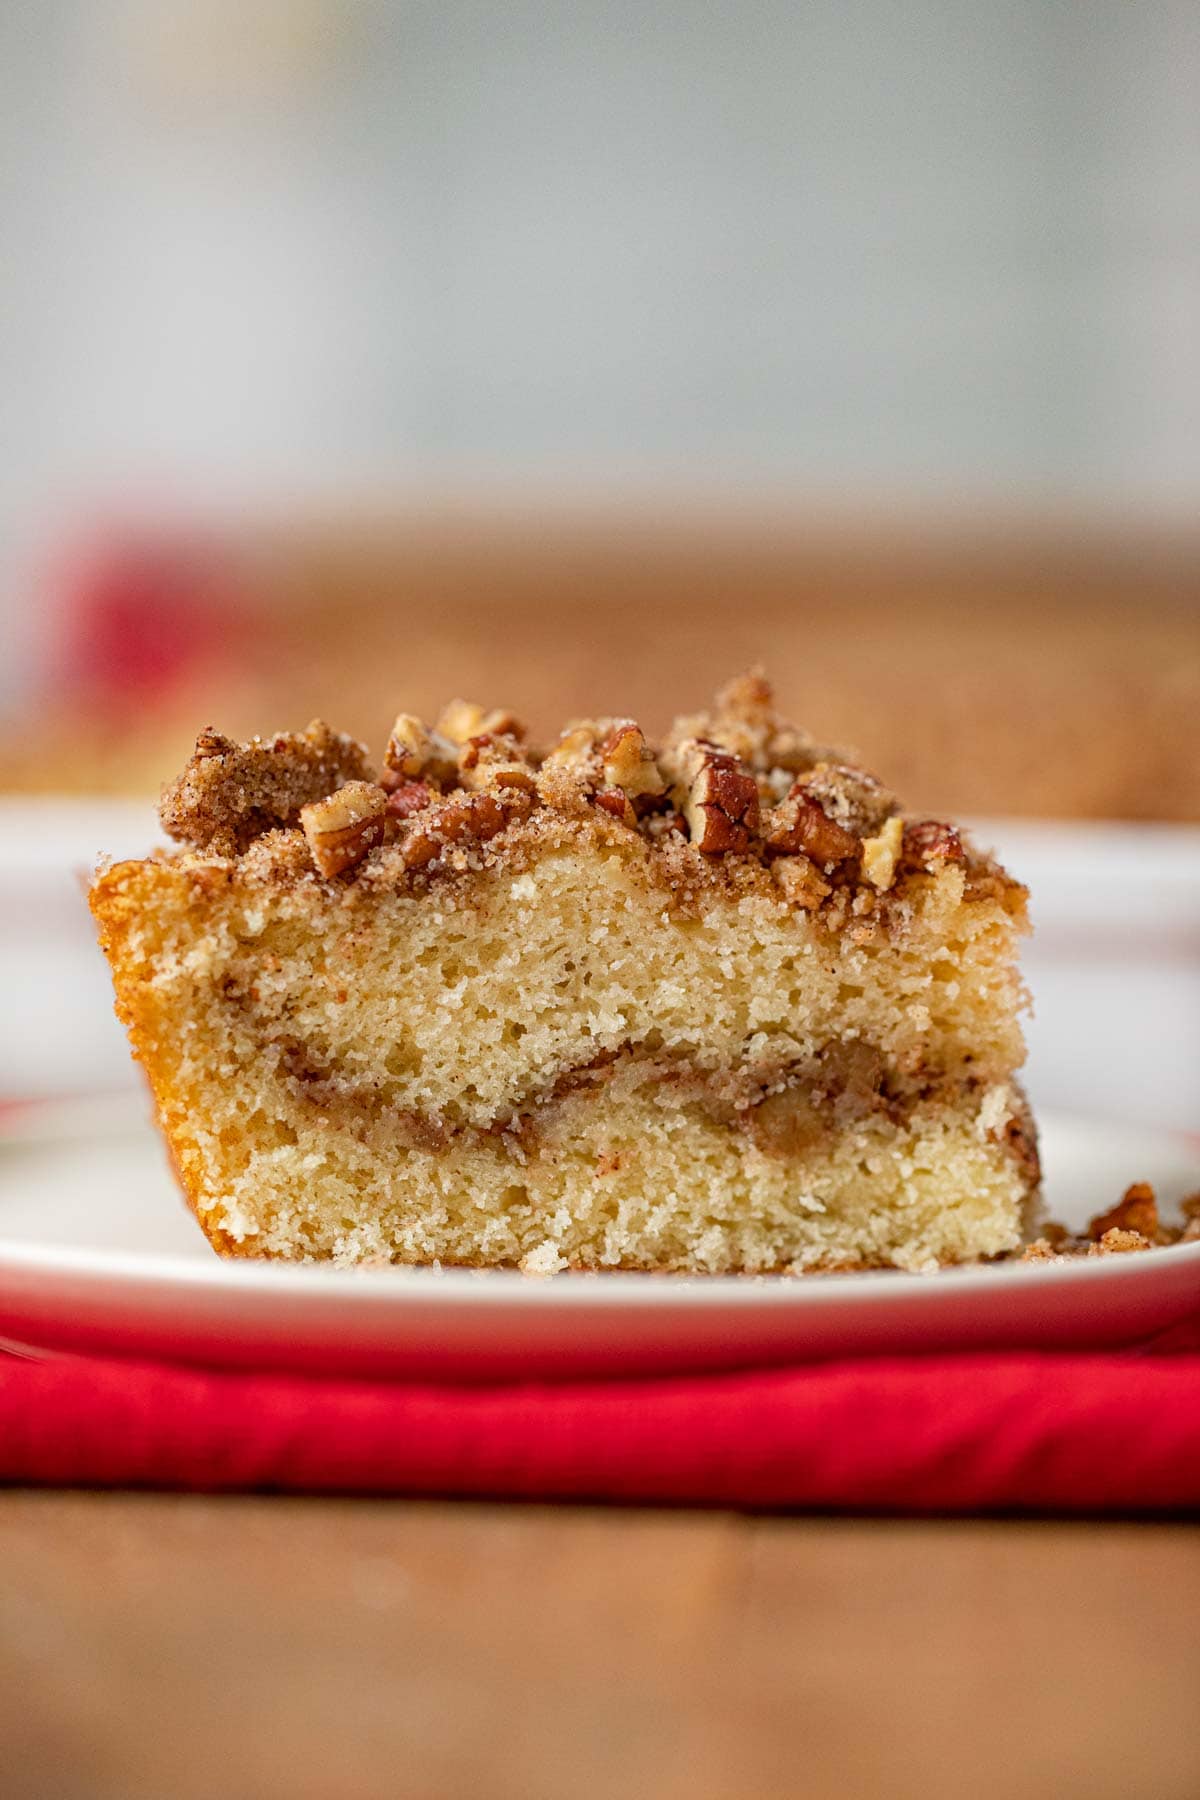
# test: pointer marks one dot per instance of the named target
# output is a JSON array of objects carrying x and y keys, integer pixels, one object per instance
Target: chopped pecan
[
  {"x": 800, "y": 824},
  {"x": 931, "y": 842},
  {"x": 628, "y": 762},
  {"x": 463, "y": 719},
  {"x": 745, "y": 723},
  {"x": 850, "y": 797},
  {"x": 513, "y": 776},
  {"x": 342, "y": 829},
  {"x": 576, "y": 748},
  {"x": 415, "y": 752},
  {"x": 747, "y": 696},
  {"x": 489, "y": 761},
  {"x": 412, "y": 797},
  {"x": 719, "y": 798},
  {"x": 467, "y": 818},
  {"x": 612, "y": 800},
  {"x": 881, "y": 852}
]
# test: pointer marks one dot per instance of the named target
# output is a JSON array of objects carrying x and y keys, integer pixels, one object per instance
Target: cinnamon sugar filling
[{"x": 781, "y": 1110}]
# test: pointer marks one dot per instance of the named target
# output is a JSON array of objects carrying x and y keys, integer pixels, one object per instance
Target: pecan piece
[
  {"x": 463, "y": 719},
  {"x": 881, "y": 853},
  {"x": 473, "y": 818},
  {"x": 800, "y": 825},
  {"x": 849, "y": 796},
  {"x": 411, "y": 797},
  {"x": 344, "y": 828},
  {"x": 611, "y": 800},
  {"x": 488, "y": 761},
  {"x": 575, "y": 749},
  {"x": 414, "y": 752},
  {"x": 628, "y": 762},
  {"x": 719, "y": 800},
  {"x": 744, "y": 722},
  {"x": 930, "y": 843}
]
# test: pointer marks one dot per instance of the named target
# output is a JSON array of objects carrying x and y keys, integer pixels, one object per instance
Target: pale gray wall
[{"x": 838, "y": 242}]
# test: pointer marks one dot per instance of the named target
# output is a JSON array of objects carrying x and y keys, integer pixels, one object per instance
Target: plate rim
[
  {"x": 421, "y": 1284},
  {"x": 31, "y": 1262}
]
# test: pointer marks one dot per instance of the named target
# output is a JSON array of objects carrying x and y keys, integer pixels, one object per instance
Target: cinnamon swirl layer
[{"x": 632, "y": 1171}]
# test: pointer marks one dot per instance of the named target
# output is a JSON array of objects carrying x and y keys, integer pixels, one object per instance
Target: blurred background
[{"x": 575, "y": 355}]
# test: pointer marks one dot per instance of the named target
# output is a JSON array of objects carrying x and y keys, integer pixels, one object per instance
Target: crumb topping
[
  {"x": 229, "y": 794},
  {"x": 734, "y": 795},
  {"x": 1133, "y": 1224}
]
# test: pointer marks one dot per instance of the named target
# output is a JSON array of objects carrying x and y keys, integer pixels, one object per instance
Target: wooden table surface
[{"x": 159, "y": 1648}]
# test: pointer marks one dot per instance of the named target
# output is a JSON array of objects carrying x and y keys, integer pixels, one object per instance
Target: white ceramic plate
[{"x": 98, "y": 1253}]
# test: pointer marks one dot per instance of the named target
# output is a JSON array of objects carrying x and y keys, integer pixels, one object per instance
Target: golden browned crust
[
  {"x": 115, "y": 905},
  {"x": 733, "y": 801}
]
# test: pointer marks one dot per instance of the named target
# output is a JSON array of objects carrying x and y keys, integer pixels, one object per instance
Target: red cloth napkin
[{"x": 1094, "y": 1433}]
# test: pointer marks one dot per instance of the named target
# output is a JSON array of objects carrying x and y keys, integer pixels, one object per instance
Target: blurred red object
[{"x": 141, "y": 618}]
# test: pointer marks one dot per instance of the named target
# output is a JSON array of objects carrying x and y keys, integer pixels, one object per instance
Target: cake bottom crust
[{"x": 645, "y": 1180}]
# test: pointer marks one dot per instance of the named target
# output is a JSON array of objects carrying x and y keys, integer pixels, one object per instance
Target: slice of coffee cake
[{"x": 714, "y": 1005}]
